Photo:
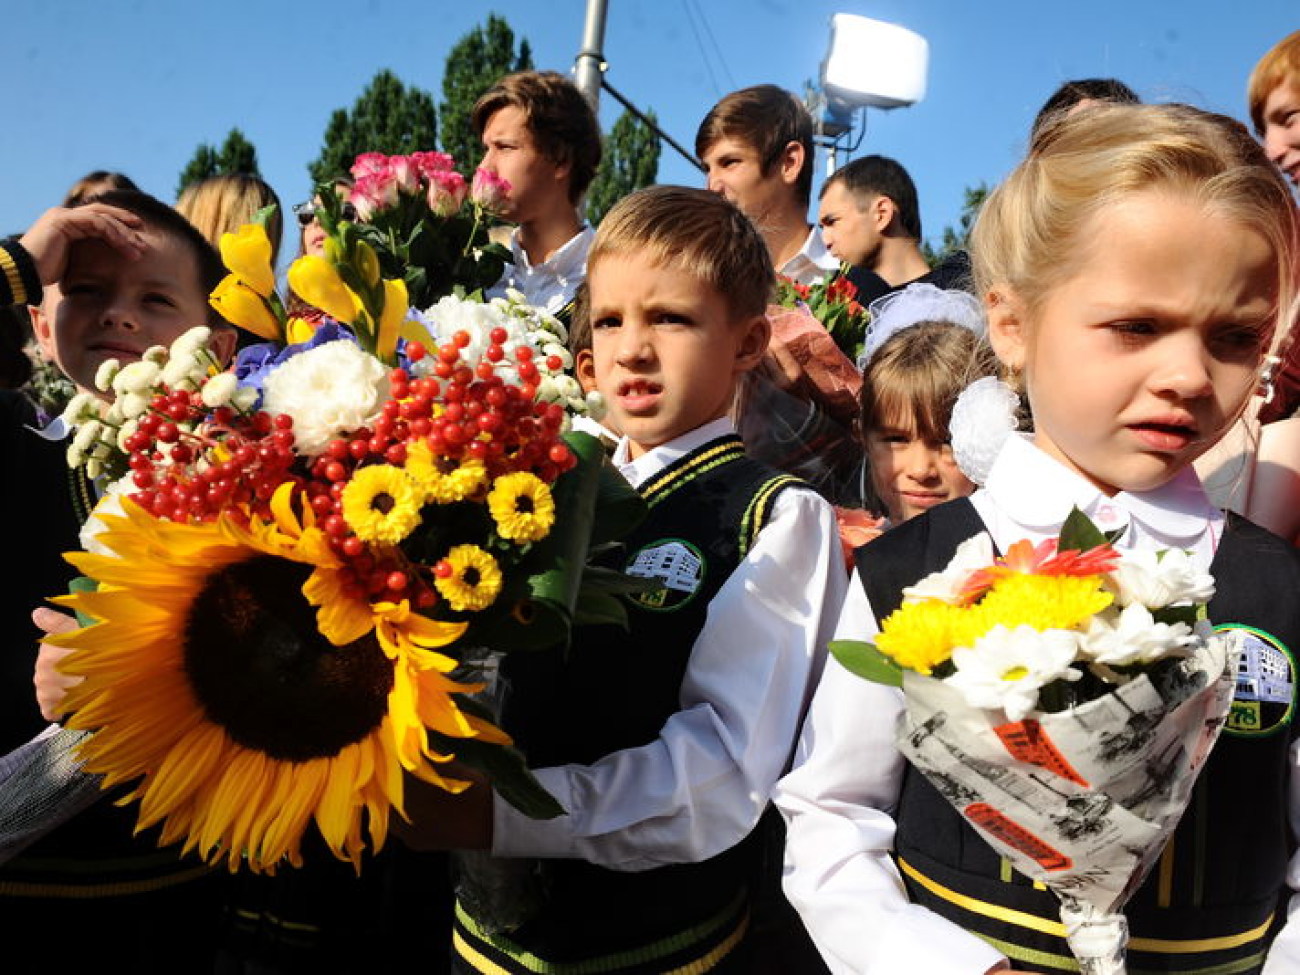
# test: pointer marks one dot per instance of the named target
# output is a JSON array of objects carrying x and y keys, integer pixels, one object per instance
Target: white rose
[{"x": 331, "y": 390}]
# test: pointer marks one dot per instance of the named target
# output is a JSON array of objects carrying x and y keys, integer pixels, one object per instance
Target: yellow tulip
[
  {"x": 316, "y": 282},
  {"x": 241, "y": 305},
  {"x": 367, "y": 263},
  {"x": 396, "y": 304},
  {"x": 247, "y": 254}
]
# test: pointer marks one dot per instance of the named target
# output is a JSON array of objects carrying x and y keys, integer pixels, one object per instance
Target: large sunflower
[{"x": 238, "y": 711}]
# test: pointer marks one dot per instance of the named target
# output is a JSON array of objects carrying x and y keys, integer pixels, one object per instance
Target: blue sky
[{"x": 136, "y": 85}]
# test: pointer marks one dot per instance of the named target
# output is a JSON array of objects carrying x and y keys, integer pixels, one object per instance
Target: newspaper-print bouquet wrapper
[{"x": 1063, "y": 698}]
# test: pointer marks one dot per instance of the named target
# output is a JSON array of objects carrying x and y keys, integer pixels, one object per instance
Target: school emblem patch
[
  {"x": 676, "y": 563},
  {"x": 1264, "y": 699}
]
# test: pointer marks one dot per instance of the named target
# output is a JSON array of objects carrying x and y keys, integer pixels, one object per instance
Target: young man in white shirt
[
  {"x": 541, "y": 135},
  {"x": 756, "y": 146}
]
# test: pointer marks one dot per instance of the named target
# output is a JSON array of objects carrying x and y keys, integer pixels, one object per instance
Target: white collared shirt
[
  {"x": 551, "y": 284},
  {"x": 838, "y": 802},
  {"x": 700, "y": 787},
  {"x": 812, "y": 263}
]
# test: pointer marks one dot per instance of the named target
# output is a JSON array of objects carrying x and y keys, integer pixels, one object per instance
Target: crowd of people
[{"x": 735, "y": 800}]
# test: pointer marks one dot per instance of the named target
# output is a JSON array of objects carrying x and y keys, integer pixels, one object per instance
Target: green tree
[
  {"x": 236, "y": 155},
  {"x": 957, "y": 238},
  {"x": 388, "y": 117},
  {"x": 630, "y": 161},
  {"x": 474, "y": 64}
]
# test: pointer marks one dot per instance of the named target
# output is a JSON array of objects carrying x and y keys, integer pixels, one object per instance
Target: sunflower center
[
  {"x": 383, "y": 502},
  {"x": 265, "y": 674},
  {"x": 524, "y": 504}
]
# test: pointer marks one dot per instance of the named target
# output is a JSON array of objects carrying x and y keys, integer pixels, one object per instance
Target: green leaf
[
  {"x": 598, "y": 608},
  {"x": 506, "y": 769},
  {"x": 1079, "y": 534},
  {"x": 863, "y": 659},
  {"x": 83, "y": 584}
]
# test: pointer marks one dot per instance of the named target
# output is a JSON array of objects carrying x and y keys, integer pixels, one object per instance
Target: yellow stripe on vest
[{"x": 1168, "y": 946}]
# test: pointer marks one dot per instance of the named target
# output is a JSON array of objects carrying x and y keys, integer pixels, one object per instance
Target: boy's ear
[
  {"x": 42, "y": 330},
  {"x": 792, "y": 157},
  {"x": 584, "y": 367},
  {"x": 753, "y": 344},
  {"x": 1007, "y": 327}
]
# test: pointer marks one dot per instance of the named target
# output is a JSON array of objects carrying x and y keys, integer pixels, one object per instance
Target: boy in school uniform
[
  {"x": 107, "y": 279},
  {"x": 663, "y": 742}
]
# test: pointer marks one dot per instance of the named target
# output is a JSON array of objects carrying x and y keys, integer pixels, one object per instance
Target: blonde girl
[{"x": 1134, "y": 268}]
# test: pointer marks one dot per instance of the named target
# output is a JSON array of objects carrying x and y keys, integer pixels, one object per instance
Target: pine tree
[
  {"x": 474, "y": 64},
  {"x": 630, "y": 161},
  {"x": 388, "y": 117},
  {"x": 236, "y": 155}
]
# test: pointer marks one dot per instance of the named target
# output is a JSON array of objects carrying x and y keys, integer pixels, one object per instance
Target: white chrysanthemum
[
  {"x": 192, "y": 342},
  {"x": 82, "y": 407},
  {"x": 1132, "y": 636},
  {"x": 219, "y": 389},
  {"x": 137, "y": 377},
  {"x": 596, "y": 405},
  {"x": 1006, "y": 668},
  {"x": 329, "y": 391},
  {"x": 982, "y": 419},
  {"x": 972, "y": 555},
  {"x": 1160, "y": 579},
  {"x": 104, "y": 375},
  {"x": 131, "y": 405}
]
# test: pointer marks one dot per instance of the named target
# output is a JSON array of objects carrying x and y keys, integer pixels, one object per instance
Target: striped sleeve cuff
[{"x": 19, "y": 282}]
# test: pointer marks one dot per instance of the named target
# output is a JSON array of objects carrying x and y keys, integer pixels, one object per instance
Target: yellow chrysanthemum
[
  {"x": 442, "y": 479},
  {"x": 522, "y": 507},
  {"x": 1043, "y": 602},
  {"x": 381, "y": 504},
  {"x": 474, "y": 579},
  {"x": 237, "y": 713},
  {"x": 919, "y": 636}
]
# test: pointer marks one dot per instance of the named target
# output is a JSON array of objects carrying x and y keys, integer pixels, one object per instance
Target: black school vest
[
  {"x": 1217, "y": 895},
  {"x": 94, "y": 854},
  {"x": 613, "y": 689}
]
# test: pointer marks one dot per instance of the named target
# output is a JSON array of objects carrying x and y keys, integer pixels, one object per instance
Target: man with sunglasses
[{"x": 313, "y": 234}]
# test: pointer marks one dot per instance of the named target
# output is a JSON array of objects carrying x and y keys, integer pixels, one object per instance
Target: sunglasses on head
[{"x": 306, "y": 212}]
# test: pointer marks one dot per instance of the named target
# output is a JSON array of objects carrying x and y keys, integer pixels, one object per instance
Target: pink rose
[
  {"x": 489, "y": 191},
  {"x": 447, "y": 192},
  {"x": 369, "y": 164},
  {"x": 403, "y": 172},
  {"x": 372, "y": 193},
  {"x": 428, "y": 163}
]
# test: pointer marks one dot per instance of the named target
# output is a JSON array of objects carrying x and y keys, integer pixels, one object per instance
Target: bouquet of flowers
[
  {"x": 833, "y": 302},
  {"x": 428, "y": 225},
  {"x": 1063, "y": 698},
  {"x": 302, "y": 568}
]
